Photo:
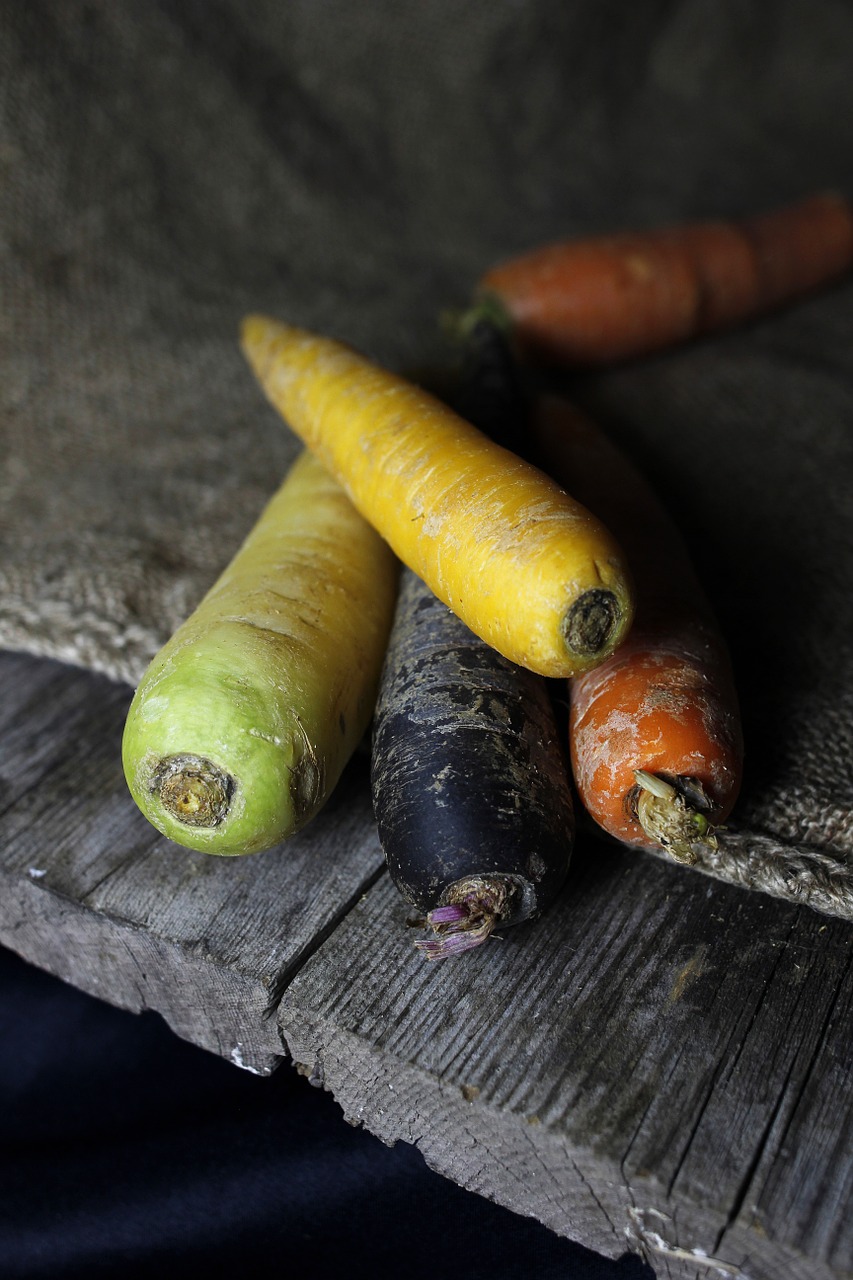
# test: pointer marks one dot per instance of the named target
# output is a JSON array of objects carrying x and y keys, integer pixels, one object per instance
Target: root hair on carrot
[{"x": 470, "y": 912}]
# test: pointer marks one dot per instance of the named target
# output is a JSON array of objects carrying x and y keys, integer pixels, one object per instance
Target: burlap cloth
[{"x": 352, "y": 167}]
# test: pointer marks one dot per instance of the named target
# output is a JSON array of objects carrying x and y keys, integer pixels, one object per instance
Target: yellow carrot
[
  {"x": 243, "y": 722},
  {"x": 527, "y": 568}
]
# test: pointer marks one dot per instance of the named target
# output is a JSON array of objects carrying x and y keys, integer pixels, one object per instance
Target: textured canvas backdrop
[{"x": 168, "y": 165}]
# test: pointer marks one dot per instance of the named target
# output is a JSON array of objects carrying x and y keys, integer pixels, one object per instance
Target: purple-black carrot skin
[{"x": 469, "y": 777}]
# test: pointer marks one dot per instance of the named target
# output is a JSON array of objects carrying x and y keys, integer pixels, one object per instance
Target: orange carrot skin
[
  {"x": 612, "y": 298},
  {"x": 665, "y": 701}
]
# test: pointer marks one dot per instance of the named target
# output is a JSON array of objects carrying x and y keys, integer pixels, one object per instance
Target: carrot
[
  {"x": 243, "y": 722},
  {"x": 526, "y": 567},
  {"x": 611, "y": 298},
  {"x": 654, "y": 731},
  {"x": 469, "y": 779},
  {"x": 469, "y": 776}
]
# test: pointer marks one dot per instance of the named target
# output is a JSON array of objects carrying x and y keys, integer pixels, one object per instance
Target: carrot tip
[
  {"x": 667, "y": 818},
  {"x": 453, "y": 944},
  {"x": 476, "y": 906}
]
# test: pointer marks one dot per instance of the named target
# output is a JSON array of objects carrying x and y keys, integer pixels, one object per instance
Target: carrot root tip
[
  {"x": 590, "y": 622},
  {"x": 670, "y": 820},
  {"x": 472, "y": 911},
  {"x": 193, "y": 790}
]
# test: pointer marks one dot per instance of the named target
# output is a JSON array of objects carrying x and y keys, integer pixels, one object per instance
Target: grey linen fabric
[{"x": 168, "y": 165}]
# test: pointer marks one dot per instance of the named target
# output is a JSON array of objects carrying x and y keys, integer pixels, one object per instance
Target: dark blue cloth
[{"x": 126, "y": 1152}]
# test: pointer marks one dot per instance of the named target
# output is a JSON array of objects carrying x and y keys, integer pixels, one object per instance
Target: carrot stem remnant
[
  {"x": 475, "y": 908},
  {"x": 193, "y": 790},
  {"x": 670, "y": 820}
]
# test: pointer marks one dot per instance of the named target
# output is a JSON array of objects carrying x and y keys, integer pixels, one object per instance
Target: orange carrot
[
  {"x": 589, "y": 302},
  {"x": 654, "y": 731}
]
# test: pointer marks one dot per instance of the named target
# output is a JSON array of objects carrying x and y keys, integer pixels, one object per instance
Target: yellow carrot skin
[
  {"x": 243, "y": 722},
  {"x": 527, "y": 568}
]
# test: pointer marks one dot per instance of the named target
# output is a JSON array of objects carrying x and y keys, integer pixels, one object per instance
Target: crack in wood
[
  {"x": 724, "y": 1068},
  {"x": 623, "y": 1163},
  {"x": 586, "y": 1183},
  {"x": 783, "y": 1103},
  {"x": 289, "y": 972}
]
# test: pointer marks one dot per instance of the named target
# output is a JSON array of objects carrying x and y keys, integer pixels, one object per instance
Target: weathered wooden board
[
  {"x": 91, "y": 892},
  {"x": 662, "y": 1063}
]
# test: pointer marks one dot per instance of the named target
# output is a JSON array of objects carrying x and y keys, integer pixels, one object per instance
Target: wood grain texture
[
  {"x": 660, "y": 1064},
  {"x": 92, "y": 893}
]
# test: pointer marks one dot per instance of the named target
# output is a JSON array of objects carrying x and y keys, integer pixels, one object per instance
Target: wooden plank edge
[
  {"x": 458, "y": 1138},
  {"x": 129, "y": 967},
  {"x": 518, "y": 1163}
]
